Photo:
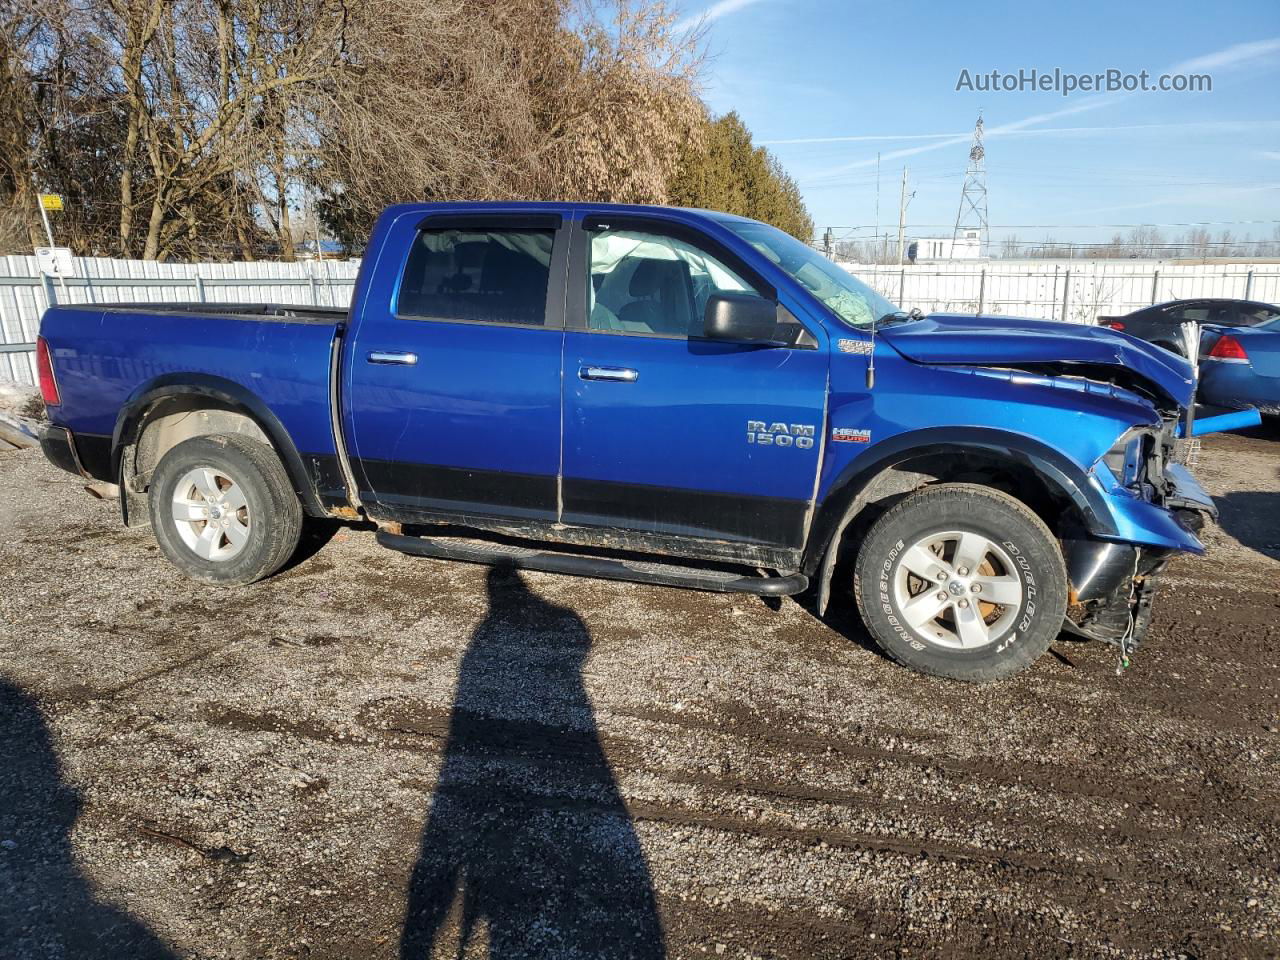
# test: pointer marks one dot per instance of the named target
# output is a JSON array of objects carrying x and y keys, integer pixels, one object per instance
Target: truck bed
[{"x": 112, "y": 358}]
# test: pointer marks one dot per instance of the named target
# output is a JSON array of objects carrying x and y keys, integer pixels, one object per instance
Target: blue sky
[{"x": 1066, "y": 167}]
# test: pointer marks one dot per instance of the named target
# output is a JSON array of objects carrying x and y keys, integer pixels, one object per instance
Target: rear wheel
[
  {"x": 223, "y": 509},
  {"x": 961, "y": 581}
]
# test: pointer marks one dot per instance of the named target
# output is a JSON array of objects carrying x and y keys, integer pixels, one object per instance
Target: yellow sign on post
[{"x": 51, "y": 201}]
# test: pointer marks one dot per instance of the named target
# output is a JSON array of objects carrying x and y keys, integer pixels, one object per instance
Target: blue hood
[{"x": 989, "y": 341}]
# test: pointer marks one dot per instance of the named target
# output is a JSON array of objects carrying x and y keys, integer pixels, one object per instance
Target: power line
[{"x": 1084, "y": 226}]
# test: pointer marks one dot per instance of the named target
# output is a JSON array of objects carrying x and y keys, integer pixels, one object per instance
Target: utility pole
[
  {"x": 828, "y": 243},
  {"x": 902, "y": 212},
  {"x": 876, "y": 235},
  {"x": 972, "y": 214},
  {"x": 315, "y": 213}
]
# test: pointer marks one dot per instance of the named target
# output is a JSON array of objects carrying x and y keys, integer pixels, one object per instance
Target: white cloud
[
  {"x": 1232, "y": 58},
  {"x": 714, "y": 12},
  {"x": 1215, "y": 196},
  {"x": 1093, "y": 103},
  {"x": 1271, "y": 154},
  {"x": 1219, "y": 126}
]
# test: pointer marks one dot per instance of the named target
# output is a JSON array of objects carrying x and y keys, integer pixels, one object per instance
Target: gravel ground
[{"x": 370, "y": 754}]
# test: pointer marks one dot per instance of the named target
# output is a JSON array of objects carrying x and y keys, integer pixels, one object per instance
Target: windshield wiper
[{"x": 902, "y": 316}]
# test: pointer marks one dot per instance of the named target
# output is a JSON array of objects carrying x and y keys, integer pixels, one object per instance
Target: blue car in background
[
  {"x": 675, "y": 397},
  {"x": 1240, "y": 367}
]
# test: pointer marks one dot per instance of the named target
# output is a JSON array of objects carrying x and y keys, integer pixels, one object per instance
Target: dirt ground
[{"x": 370, "y": 754}]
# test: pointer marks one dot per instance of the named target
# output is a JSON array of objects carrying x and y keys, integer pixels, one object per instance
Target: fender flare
[
  {"x": 226, "y": 392},
  {"x": 846, "y": 500}
]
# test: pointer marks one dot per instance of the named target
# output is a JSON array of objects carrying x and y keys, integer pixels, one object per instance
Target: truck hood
[{"x": 1043, "y": 346}]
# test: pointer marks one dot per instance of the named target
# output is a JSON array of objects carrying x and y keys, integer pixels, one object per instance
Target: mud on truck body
[{"x": 668, "y": 396}]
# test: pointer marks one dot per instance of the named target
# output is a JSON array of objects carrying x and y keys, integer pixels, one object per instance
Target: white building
[{"x": 968, "y": 246}]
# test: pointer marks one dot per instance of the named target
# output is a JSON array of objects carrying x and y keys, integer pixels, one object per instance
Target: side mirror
[{"x": 742, "y": 318}]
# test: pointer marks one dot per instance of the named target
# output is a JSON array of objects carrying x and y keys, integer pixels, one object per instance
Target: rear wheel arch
[
  {"x": 177, "y": 407},
  {"x": 1054, "y": 488}
]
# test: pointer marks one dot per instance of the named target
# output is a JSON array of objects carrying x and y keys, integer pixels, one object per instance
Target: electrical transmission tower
[{"x": 972, "y": 216}]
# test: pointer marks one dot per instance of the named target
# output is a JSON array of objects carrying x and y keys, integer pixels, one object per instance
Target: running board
[{"x": 602, "y": 568}]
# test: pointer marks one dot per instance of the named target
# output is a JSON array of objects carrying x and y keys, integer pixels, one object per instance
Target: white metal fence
[
  {"x": 1074, "y": 290},
  {"x": 25, "y": 293},
  {"x": 1071, "y": 290}
]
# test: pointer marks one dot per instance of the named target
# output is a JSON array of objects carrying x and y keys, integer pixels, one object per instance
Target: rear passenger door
[
  {"x": 669, "y": 433},
  {"x": 452, "y": 389}
]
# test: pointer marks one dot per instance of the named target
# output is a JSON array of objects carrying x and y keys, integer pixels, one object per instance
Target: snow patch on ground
[{"x": 20, "y": 400}]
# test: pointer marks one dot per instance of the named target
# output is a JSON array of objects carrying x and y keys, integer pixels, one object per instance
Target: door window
[
  {"x": 647, "y": 283},
  {"x": 478, "y": 276}
]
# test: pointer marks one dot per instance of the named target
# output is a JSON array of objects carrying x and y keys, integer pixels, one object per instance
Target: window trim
[
  {"x": 578, "y": 318},
  {"x": 553, "y": 223}
]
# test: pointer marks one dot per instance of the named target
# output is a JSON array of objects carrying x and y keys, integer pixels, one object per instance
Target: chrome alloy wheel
[
  {"x": 211, "y": 513},
  {"x": 957, "y": 589}
]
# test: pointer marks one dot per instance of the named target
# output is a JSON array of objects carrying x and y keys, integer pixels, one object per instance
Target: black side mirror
[{"x": 742, "y": 318}]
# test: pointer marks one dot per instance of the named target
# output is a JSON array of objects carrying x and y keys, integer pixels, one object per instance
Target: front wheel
[
  {"x": 223, "y": 509},
  {"x": 961, "y": 581}
]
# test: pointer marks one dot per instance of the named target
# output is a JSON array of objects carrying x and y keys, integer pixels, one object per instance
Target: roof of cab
[{"x": 511, "y": 206}]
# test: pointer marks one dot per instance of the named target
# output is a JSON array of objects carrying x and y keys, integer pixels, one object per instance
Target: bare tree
[
  {"x": 201, "y": 127},
  {"x": 481, "y": 100}
]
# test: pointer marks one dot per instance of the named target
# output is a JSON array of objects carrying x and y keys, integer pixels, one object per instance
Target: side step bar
[{"x": 603, "y": 568}]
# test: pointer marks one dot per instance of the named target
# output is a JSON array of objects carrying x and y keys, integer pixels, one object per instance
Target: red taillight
[
  {"x": 1228, "y": 348},
  {"x": 44, "y": 365},
  {"x": 1114, "y": 324}
]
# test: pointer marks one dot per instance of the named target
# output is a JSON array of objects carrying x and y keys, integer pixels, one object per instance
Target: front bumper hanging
[{"x": 1112, "y": 584}]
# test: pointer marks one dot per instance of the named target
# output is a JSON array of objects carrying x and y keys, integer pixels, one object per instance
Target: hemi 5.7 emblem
[
  {"x": 850, "y": 435},
  {"x": 780, "y": 434}
]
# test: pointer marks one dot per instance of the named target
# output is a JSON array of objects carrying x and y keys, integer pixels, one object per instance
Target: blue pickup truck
[{"x": 669, "y": 396}]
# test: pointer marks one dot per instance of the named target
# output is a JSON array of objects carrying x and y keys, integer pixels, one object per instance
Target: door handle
[
  {"x": 616, "y": 374},
  {"x": 383, "y": 356}
]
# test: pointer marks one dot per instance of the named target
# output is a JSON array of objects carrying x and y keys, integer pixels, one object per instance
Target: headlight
[{"x": 1128, "y": 456}]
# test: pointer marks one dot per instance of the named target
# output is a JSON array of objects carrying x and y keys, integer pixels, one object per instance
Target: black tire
[
  {"x": 272, "y": 515},
  {"x": 1038, "y": 573}
]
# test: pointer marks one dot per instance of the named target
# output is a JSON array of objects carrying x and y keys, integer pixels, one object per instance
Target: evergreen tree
[{"x": 725, "y": 170}]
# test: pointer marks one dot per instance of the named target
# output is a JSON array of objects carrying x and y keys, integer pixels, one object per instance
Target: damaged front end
[{"x": 1112, "y": 583}]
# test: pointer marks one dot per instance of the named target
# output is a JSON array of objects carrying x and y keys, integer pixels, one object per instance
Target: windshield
[{"x": 840, "y": 292}]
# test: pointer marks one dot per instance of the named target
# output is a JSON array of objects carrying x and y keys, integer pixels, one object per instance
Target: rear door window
[{"x": 478, "y": 276}]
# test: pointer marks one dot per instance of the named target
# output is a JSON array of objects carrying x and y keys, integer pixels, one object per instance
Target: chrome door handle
[
  {"x": 616, "y": 374},
  {"x": 382, "y": 356}
]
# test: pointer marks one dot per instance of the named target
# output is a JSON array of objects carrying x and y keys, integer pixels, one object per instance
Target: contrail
[
  {"x": 1219, "y": 125},
  {"x": 1229, "y": 58}
]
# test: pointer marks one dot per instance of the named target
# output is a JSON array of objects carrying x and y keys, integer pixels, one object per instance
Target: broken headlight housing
[{"x": 1134, "y": 461}]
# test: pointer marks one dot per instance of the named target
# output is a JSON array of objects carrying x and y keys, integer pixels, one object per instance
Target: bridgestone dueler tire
[
  {"x": 276, "y": 514},
  {"x": 999, "y": 518}
]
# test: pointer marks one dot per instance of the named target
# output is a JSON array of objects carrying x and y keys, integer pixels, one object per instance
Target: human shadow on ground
[
  {"x": 48, "y": 908},
  {"x": 528, "y": 849}
]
